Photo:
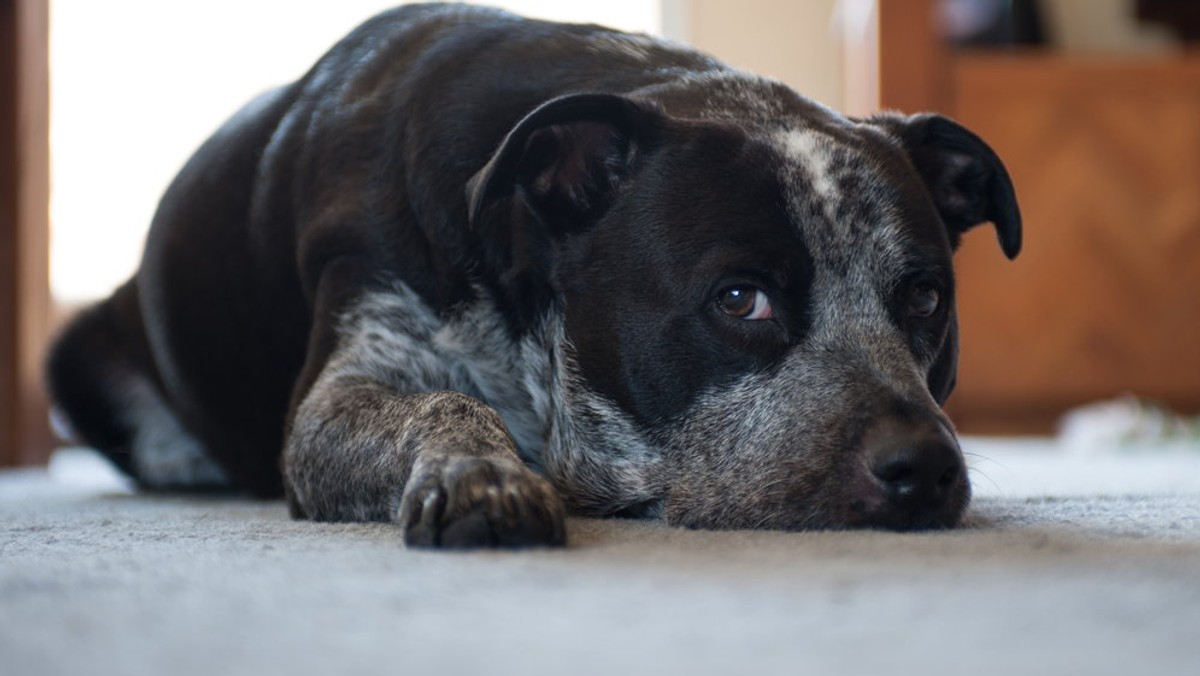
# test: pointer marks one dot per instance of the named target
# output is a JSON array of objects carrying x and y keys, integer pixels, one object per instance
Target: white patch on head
[
  {"x": 812, "y": 150},
  {"x": 868, "y": 238},
  {"x": 858, "y": 243}
]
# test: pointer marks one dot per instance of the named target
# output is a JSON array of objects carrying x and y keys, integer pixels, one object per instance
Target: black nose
[{"x": 920, "y": 470}]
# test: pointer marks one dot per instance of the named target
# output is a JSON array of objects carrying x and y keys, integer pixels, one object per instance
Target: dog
[{"x": 474, "y": 272}]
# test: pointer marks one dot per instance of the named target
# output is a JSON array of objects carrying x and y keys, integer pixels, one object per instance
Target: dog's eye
[
  {"x": 745, "y": 302},
  {"x": 923, "y": 300}
]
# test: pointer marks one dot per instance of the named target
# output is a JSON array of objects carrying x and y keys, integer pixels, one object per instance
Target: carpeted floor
[{"x": 1072, "y": 564}]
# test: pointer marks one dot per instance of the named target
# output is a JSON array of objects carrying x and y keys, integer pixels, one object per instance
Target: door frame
[{"x": 25, "y": 304}]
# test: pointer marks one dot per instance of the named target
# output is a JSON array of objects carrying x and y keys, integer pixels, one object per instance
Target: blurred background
[{"x": 1094, "y": 105}]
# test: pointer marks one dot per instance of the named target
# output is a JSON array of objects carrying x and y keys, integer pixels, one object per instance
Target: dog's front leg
[{"x": 440, "y": 464}]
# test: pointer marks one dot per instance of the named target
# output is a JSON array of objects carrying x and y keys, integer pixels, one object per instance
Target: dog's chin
[
  {"x": 869, "y": 506},
  {"x": 867, "y": 509},
  {"x": 882, "y": 515}
]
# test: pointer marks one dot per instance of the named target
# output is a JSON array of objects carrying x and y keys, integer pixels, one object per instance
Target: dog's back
[{"x": 358, "y": 158}]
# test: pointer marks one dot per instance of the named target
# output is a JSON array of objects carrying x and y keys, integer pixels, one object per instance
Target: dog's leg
[
  {"x": 379, "y": 436},
  {"x": 441, "y": 465},
  {"x": 103, "y": 383}
]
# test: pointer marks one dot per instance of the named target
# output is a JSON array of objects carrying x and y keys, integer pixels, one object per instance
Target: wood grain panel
[
  {"x": 911, "y": 56},
  {"x": 1105, "y": 298},
  {"x": 24, "y": 228}
]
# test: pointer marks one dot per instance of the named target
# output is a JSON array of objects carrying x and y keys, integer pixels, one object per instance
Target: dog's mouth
[
  {"x": 937, "y": 507},
  {"x": 904, "y": 474},
  {"x": 879, "y": 509}
]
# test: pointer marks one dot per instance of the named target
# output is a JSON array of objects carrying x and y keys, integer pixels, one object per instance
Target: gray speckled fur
[
  {"x": 401, "y": 404},
  {"x": 405, "y": 387}
]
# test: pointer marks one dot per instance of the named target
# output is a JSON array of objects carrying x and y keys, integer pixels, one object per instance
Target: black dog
[{"x": 473, "y": 272}]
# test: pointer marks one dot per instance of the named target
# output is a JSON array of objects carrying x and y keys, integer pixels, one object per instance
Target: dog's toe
[{"x": 468, "y": 503}]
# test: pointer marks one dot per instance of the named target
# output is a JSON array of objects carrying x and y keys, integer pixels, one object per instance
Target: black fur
[{"x": 463, "y": 276}]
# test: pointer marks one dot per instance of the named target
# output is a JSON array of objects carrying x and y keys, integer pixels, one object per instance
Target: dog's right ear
[
  {"x": 566, "y": 160},
  {"x": 967, "y": 181},
  {"x": 555, "y": 173}
]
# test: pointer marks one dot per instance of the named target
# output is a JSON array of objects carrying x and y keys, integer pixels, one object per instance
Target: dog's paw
[{"x": 466, "y": 503}]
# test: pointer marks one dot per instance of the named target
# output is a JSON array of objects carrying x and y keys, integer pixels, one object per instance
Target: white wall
[{"x": 137, "y": 85}]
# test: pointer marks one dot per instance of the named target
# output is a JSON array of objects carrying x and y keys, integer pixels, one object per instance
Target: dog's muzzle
[{"x": 918, "y": 479}]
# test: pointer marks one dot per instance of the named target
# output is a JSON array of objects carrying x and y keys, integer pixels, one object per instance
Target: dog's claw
[
  {"x": 420, "y": 524},
  {"x": 468, "y": 503}
]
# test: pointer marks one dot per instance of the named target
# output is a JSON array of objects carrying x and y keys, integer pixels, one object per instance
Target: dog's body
[{"x": 473, "y": 269}]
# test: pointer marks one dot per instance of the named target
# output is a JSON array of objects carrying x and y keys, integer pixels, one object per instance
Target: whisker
[{"x": 974, "y": 470}]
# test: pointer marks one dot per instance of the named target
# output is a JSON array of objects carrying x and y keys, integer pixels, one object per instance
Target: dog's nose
[{"x": 921, "y": 473}]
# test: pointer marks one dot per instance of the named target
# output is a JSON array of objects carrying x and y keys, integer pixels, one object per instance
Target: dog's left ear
[
  {"x": 968, "y": 183},
  {"x": 565, "y": 160}
]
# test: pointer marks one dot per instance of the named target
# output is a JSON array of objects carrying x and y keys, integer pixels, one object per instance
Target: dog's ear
[
  {"x": 968, "y": 183},
  {"x": 555, "y": 173},
  {"x": 565, "y": 160}
]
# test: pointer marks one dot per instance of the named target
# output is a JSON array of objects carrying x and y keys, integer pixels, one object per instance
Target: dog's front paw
[{"x": 465, "y": 503}]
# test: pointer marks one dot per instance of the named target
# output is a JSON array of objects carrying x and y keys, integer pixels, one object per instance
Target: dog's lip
[
  {"x": 900, "y": 521},
  {"x": 868, "y": 507}
]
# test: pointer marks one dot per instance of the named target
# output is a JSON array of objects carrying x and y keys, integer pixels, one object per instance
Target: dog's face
[{"x": 765, "y": 310}]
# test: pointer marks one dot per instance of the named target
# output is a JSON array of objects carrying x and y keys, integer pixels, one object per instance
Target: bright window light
[{"x": 137, "y": 85}]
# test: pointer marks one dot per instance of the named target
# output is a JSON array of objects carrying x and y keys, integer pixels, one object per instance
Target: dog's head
[{"x": 757, "y": 303}]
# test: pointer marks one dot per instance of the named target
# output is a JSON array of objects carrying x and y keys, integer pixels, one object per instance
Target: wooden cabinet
[
  {"x": 1105, "y": 299},
  {"x": 1105, "y": 155}
]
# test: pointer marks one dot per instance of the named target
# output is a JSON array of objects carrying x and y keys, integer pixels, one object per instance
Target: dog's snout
[{"x": 920, "y": 471}]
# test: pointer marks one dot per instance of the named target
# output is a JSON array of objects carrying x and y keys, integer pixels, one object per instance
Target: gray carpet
[{"x": 1072, "y": 564}]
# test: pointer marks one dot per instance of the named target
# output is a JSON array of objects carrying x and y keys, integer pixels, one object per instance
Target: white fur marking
[
  {"x": 397, "y": 339},
  {"x": 810, "y": 149},
  {"x": 164, "y": 454}
]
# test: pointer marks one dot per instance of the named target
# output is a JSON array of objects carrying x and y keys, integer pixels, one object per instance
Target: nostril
[
  {"x": 893, "y": 472},
  {"x": 949, "y": 477},
  {"x": 922, "y": 474},
  {"x": 897, "y": 474}
]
